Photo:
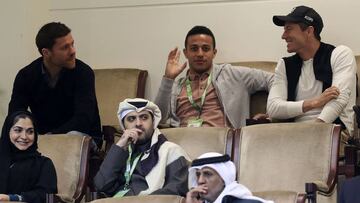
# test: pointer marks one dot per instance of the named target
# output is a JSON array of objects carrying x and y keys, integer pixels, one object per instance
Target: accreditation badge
[{"x": 195, "y": 122}]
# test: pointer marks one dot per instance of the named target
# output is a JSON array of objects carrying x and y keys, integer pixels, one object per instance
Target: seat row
[
  {"x": 114, "y": 85},
  {"x": 275, "y": 161}
]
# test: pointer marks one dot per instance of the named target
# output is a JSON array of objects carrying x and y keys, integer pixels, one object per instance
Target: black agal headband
[{"x": 210, "y": 160}]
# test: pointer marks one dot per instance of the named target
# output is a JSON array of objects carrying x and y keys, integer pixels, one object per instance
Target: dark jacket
[{"x": 70, "y": 105}]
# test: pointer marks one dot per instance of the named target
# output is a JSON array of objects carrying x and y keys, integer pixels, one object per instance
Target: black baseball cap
[{"x": 301, "y": 14}]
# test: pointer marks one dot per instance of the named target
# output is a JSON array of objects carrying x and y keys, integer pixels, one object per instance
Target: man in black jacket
[{"x": 58, "y": 88}]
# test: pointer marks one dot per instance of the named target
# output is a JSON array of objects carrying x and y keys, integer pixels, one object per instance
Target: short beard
[{"x": 147, "y": 137}]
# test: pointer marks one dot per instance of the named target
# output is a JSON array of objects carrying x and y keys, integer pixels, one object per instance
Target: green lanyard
[
  {"x": 190, "y": 96},
  {"x": 128, "y": 172}
]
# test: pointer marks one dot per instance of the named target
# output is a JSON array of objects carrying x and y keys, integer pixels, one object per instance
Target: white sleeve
[
  {"x": 344, "y": 77},
  {"x": 277, "y": 105}
]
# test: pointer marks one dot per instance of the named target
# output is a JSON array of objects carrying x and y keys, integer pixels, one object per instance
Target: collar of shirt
[
  {"x": 193, "y": 76},
  {"x": 51, "y": 81}
]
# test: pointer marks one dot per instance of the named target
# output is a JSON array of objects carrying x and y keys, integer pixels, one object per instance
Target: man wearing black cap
[{"x": 318, "y": 82}]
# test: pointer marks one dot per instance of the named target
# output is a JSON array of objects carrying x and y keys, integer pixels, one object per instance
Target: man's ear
[
  {"x": 45, "y": 52},
  {"x": 215, "y": 51},
  {"x": 185, "y": 52},
  {"x": 311, "y": 30}
]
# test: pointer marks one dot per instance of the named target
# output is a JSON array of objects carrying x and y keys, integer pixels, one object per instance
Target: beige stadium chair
[
  {"x": 70, "y": 155},
  {"x": 112, "y": 86},
  {"x": 275, "y": 161},
  {"x": 196, "y": 141}
]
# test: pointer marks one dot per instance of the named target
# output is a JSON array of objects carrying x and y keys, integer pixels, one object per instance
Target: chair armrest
[
  {"x": 54, "y": 198},
  {"x": 90, "y": 196},
  {"x": 310, "y": 189},
  {"x": 351, "y": 159},
  {"x": 164, "y": 125},
  {"x": 251, "y": 121},
  {"x": 281, "y": 196}
]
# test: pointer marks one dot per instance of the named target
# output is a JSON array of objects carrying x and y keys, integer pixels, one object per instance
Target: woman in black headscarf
[{"x": 25, "y": 175}]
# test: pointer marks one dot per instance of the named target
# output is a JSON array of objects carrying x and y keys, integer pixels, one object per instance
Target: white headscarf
[
  {"x": 138, "y": 105},
  {"x": 227, "y": 172}
]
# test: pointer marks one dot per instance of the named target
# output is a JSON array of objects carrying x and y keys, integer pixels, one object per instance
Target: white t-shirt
[{"x": 343, "y": 66}]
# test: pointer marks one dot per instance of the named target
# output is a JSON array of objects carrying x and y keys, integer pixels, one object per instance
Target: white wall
[
  {"x": 112, "y": 35},
  {"x": 141, "y": 36},
  {"x": 19, "y": 21}
]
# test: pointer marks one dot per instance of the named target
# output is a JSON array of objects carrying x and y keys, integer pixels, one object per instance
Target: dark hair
[
  {"x": 304, "y": 26},
  {"x": 23, "y": 116},
  {"x": 48, "y": 33},
  {"x": 197, "y": 30}
]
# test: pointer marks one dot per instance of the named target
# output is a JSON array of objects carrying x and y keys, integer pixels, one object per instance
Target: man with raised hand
[{"x": 210, "y": 95}]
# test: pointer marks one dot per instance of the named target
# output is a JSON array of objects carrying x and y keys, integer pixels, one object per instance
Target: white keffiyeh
[{"x": 227, "y": 171}]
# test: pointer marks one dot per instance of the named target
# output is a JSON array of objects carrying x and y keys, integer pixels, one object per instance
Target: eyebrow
[
  {"x": 140, "y": 114},
  {"x": 17, "y": 126}
]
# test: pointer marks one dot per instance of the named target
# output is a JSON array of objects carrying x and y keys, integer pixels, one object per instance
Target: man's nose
[
  {"x": 201, "y": 180},
  {"x": 72, "y": 49},
  {"x": 138, "y": 121},
  {"x": 200, "y": 52}
]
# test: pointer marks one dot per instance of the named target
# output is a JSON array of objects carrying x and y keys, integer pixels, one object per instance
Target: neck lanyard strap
[
  {"x": 130, "y": 167},
  {"x": 190, "y": 96},
  {"x": 128, "y": 172}
]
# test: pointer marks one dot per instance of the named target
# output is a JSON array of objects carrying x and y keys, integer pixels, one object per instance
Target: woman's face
[{"x": 22, "y": 133}]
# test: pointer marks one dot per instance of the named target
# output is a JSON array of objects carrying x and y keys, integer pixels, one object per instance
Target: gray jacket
[{"x": 233, "y": 86}]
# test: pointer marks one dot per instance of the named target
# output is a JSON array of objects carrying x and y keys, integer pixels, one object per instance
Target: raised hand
[
  {"x": 129, "y": 136},
  {"x": 193, "y": 196},
  {"x": 173, "y": 68}
]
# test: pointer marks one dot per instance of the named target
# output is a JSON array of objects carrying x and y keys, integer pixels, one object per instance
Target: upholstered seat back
[
  {"x": 196, "y": 141},
  {"x": 285, "y": 156},
  {"x": 114, "y": 85},
  {"x": 259, "y": 99},
  {"x": 144, "y": 199},
  {"x": 69, "y": 154},
  {"x": 281, "y": 196}
]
